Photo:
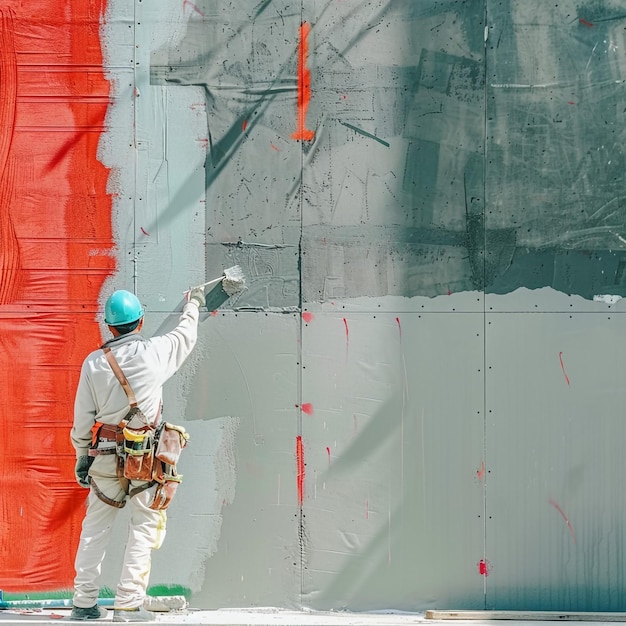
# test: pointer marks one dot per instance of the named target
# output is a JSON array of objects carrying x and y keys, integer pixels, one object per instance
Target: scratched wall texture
[{"x": 417, "y": 402}]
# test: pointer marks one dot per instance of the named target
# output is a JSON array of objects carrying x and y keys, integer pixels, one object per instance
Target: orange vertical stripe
[
  {"x": 300, "y": 468},
  {"x": 304, "y": 85}
]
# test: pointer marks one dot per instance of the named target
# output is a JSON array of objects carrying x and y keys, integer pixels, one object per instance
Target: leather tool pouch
[
  {"x": 165, "y": 491},
  {"x": 171, "y": 441},
  {"x": 139, "y": 453}
]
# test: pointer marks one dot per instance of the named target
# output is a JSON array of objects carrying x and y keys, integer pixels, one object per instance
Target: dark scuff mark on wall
[
  {"x": 554, "y": 158},
  {"x": 569, "y": 271}
]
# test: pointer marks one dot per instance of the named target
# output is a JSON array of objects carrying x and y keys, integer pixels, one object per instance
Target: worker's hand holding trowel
[{"x": 232, "y": 281}]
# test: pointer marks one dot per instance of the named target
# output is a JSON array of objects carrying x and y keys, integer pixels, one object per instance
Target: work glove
[
  {"x": 196, "y": 294},
  {"x": 83, "y": 463}
]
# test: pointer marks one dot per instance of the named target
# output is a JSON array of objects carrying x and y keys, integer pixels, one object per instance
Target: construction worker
[{"x": 147, "y": 364}]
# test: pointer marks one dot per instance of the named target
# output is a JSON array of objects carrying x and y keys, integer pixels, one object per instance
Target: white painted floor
[{"x": 235, "y": 617}]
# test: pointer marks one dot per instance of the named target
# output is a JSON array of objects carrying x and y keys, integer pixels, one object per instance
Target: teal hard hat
[{"x": 121, "y": 308}]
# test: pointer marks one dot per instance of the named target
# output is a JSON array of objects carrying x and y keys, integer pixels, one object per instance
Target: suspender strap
[
  {"x": 117, "y": 370},
  {"x": 120, "y": 376},
  {"x": 136, "y": 490},
  {"x": 116, "y": 503}
]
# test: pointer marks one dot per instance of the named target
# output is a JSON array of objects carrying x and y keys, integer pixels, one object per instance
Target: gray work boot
[
  {"x": 92, "y": 612},
  {"x": 138, "y": 614}
]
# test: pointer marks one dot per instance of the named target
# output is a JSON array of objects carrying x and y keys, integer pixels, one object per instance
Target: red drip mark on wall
[
  {"x": 328, "y": 453},
  {"x": 244, "y": 125},
  {"x": 147, "y": 234},
  {"x": 274, "y": 147},
  {"x": 563, "y": 368},
  {"x": 307, "y": 317},
  {"x": 304, "y": 85},
  {"x": 187, "y": 3},
  {"x": 585, "y": 22},
  {"x": 480, "y": 474},
  {"x": 569, "y": 526},
  {"x": 307, "y": 408},
  {"x": 484, "y": 567},
  {"x": 300, "y": 469},
  {"x": 399, "y": 327}
]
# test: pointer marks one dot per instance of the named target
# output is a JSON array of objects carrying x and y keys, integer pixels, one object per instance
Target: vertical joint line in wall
[
  {"x": 485, "y": 100},
  {"x": 300, "y": 261},
  {"x": 134, "y": 146},
  {"x": 300, "y": 290}
]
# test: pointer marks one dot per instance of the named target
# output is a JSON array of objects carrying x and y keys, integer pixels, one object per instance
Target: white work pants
[{"x": 146, "y": 533}]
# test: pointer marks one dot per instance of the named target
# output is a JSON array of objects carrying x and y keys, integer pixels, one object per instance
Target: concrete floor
[
  {"x": 282, "y": 617},
  {"x": 232, "y": 617}
]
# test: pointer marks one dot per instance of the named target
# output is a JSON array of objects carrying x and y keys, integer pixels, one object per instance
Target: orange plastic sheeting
[{"x": 55, "y": 253}]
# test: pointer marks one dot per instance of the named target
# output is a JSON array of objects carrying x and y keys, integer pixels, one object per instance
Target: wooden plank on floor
[{"x": 527, "y": 616}]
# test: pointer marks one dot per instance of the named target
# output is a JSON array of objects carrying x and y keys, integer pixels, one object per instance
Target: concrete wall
[{"x": 417, "y": 401}]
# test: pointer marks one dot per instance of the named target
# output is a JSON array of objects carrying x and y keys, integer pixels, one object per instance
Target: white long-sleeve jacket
[{"x": 146, "y": 363}]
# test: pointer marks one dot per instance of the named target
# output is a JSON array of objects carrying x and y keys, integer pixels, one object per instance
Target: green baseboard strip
[{"x": 160, "y": 598}]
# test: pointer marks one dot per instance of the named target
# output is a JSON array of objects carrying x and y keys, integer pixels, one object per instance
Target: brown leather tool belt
[{"x": 108, "y": 433}]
